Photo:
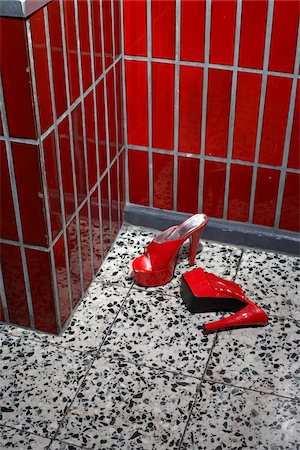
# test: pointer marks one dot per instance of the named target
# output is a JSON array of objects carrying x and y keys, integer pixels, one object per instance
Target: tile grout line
[
  {"x": 149, "y": 92},
  {"x": 176, "y": 100},
  {"x": 3, "y": 298}
]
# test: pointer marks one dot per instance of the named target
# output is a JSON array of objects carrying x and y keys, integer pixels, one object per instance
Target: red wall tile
[
  {"x": 163, "y": 106},
  {"x": 114, "y": 200},
  {"x": 16, "y": 78},
  {"x": 163, "y": 29},
  {"x": 8, "y": 227},
  {"x": 188, "y": 181},
  {"x": 90, "y": 138},
  {"x": 119, "y": 93},
  {"x": 117, "y": 27},
  {"x": 72, "y": 55},
  {"x": 137, "y": 111},
  {"x": 105, "y": 215},
  {"x": 214, "y": 185},
  {"x": 246, "y": 115},
  {"x": 111, "y": 114},
  {"x": 266, "y": 196},
  {"x": 96, "y": 230},
  {"x": 74, "y": 261},
  {"x": 138, "y": 177},
  {"x": 252, "y": 38},
  {"x": 218, "y": 108},
  {"x": 85, "y": 246},
  {"x": 163, "y": 167},
  {"x": 223, "y": 16},
  {"x": 275, "y": 119},
  {"x": 79, "y": 153},
  {"x": 12, "y": 270},
  {"x": 135, "y": 27},
  {"x": 97, "y": 39},
  {"x": 290, "y": 213},
  {"x": 190, "y": 109},
  {"x": 122, "y": 171},
  {"x": 101, "y": 126},
  {"x": 284, "y": 36},
  {"x": 85, "y": 49},
  {"x": 239, "y": 192},
  {"x": 62, "y": 279},
  {"x": 192, "y": 30},
  {"x": 107, "y": 27},
  {"x": 294, "y": 154}
]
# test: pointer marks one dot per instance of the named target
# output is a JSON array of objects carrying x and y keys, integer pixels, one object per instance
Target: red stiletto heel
[
  {"x": 205, "y": 292},
  {"x": 156, "y": 266}
]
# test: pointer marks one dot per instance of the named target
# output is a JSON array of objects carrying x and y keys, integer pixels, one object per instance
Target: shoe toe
[{"x": 142, "y": 263}]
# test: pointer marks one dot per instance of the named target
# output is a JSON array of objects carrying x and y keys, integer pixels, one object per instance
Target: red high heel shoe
[
  {"x": 205, "y": 292},
  {"x": 156, "y": 266}
]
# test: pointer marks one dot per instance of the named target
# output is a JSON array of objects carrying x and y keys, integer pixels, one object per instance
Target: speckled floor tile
[
  {"x": 10, "y": 438},
  {"x": 272, "y": 281},
  {"x": 123, "y": 406},
  {"x": 226, "y": 417},
  {"x": 158, "y": 330},
  {"x": 265, "y": 359},
  {"x": 58, "y": 445},
  {"x": 38, "y": 381}
]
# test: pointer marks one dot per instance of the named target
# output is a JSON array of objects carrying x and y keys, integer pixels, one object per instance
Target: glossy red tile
[
  {"x": 52, "y": 184},
  {"x": 105, "y": 215},
  {"x": 266, "y": 196},
  {"x": 74, "y": 261},
  {"x": 214, "y": 185},
  {"x": 192, "y": 30},
  {"x": 239, "y": 192},
  {"x": 16, "y": 78},
  {"x": 290, "y": 211},
  {"x": 101, "y": 126},
  {"x": 253, "y": 29},
  {"x": 30, "y": 193},
  {"x": 8, "y": 227},
  {"x": 284, "y": 36},
  {"x": 137, "y": 111},
  {"x": 107, "y": 28},
  {"x": 138, "y": 177},
  {"x": 135, "y": 27},
  {"x": 246, "y": 115},
  {"x": 62, "y": 279},
  {"x": 117, "y": 27},
  {"x": 111, "y": 114},
  {"x": 97, "y": 39},
  {"x": 119, "y": 93},
  {"x": 188, "y": 183},
  {"x": 96, "y": 230},
  {"x": 79, "y": 154},
  {"x": 69, "y": 16},
  {"x": 14, "y": 285},
  {"x": 163, "y": 170},
  {"x": 275, "y": 119},
  {"x": 114, "y": 206},
  {"x": 163, "y": 28},
  {"x": 163, "y": 106},
  {"x": 66, "y": 167},
  {"x": 122, "y": 171},
  {"x": 294, "y": 154},
  {"x": 85, "y": 49},
  {"x": 223, "y": 17},
  {"x": 85, "y": 246},
  {"x": 218, "y": 108},
  {"x": 57, "y": 57},
  {"x": 190, "y": 109},
  {"x": 90, "y": 139},
  {"x": 39, "y": 271}
]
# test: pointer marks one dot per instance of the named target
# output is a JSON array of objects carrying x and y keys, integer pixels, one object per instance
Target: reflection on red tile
[
  {"x": 188, "y": 181},
  {"x": 101, "y": 126},
  {"x": 96, "y": 230},
  {"x": 79, "y": 153},
  {"x": 253, "y": 28},
  {"x": 119, "y": 93},
  {"x": 74, "y": 261},
  {"x": 266, "y": 196},
  {"x": 294, "y": 154},
  {"x": 163, "y": 29},
  {"x": 105, "y": 215},
  {"x": 190, "y": 109},
  {"x": 66, "y": 167},
  {"x": 111, "y": 114},
  {"x": 284, "y": 36},
  {"x": 275, "y": 119},
  {"x": 117, "y": 27},
  {"x": 52, "y": 184},
  {"x": 163, "y": 106},
  {"x": 90, "y": 138},
  {"x": 137, "y": 111},
  {"x": 85, "y": 246},
  {"x": 138, "y": 177},
  {"x": 218, "y": 107},
  {"x": 8, "y": 227},
  {"x": 39, "y": 271},
  {"x": 107, "y": 28},
  {"x": 246, "y": 115},
  {"x": 192, "y": 30},
  {"x": 135, "y": 27},
  {"x": 121, "y": 162},
  {"x": 57, "y": 57},
  {"x": 16, "y": 78},
  {"x": 239, "y": 192},
  {"x": 12, "y": 270},
  {"x": 71, "y": 49},
  {"x": 85, "y": 49},
  {"x": 114, "y": 200},
  {"x": 214, "y": 185},
  {"x": 223, "y": 16},
  {"x": 290, "y": 213},
  {"x": 62, "y": 279},
  {"x": 163, "y": 181},
  {"x": 97, "y": 39},
  {"x": 30, "y": 193}
]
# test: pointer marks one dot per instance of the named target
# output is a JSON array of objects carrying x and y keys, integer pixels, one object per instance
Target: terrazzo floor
[{"x": 133, "y": 370}]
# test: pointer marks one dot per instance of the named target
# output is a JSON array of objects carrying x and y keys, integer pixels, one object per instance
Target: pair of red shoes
[{"x": 200, "y": 290}]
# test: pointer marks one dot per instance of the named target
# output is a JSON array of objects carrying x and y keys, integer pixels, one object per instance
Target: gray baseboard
[{"x": 227, "y": 232}]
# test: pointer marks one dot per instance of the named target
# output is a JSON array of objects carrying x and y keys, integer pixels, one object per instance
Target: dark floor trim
[{"x": 218, "y": 230}]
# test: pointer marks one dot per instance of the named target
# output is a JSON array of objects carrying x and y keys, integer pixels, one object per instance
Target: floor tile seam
[
  {"x": 5, "y": 425},
  {"x": 238, "y": 265}
]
